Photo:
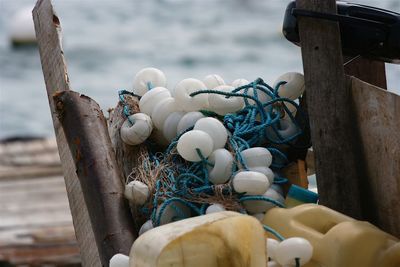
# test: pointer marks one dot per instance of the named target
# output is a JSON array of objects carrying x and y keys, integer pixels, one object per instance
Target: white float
[
  {"x": 251, "y": 183},
  {"x": 119, "y": 260},
  {"x": 150, "y": 99},
  {"x": 146, "y": 77},
  {"x": 222, "y": 105},
  {"x": 137, "y": 192},
  {"x": 275, "y": 264},
  {"x": 182, "y": 95},
  {"x": 192, "y": 140},
  {"x": 215, "y": 129},
  {"x": 215, "y": 208},
  {"x": 162, "y": 110},
  {"x": 266, "y": 171},
  {"x": 213, "y": 80},
  {"x": 294, "y": 86},
  {"x": 148, "y": 225},
  {"x": 170, "y": 214},
  {"x": 261, "y": 206},
  {"x": 259, "y": 216},
  {"x": 286, "y": 128},
  {"x": 222, "y": 160},
  {"x": 290, "y": 249},
  {"x": 239, "y": 82},
  {"x": 139, "y": 131},
  {"x": 256, "y": 157},
  {"x": 272, "y": 245},
  {"x": 189, "y": 120},
  {"x": 171, "y": 125},
  {"x": 22, "y": 30}
]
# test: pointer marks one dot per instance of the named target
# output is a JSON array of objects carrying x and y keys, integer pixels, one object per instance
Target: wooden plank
[
  {"x": 328, "y": 101},
  {"x": 369, "y": 71},
  {"x": 87, "y": 136},
  {"x": 47, "y": 27},
  {"x": 377, "y": 117}
]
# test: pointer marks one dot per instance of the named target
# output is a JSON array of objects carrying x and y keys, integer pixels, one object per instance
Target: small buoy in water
[
  {"x": 192, "y": 140},
  {"x": 182, "y": 95},
  {"x": 272, "y": 245},
  {"x": 261, "y": 206},
  {"x": 151, "y": 98},
  {"x": 171, "y": 125},
  {"x": 239, "y": 82},
  {"x": 189, "y": 120},
  {"x": 215, "y": 208},
  {"x": 147, "y": 79},
  {"x": 119, "y": 260},
  {"x": 215, "y": 129},
  {"x": 294, "y": 86},
  {"x": 222, "y": 105},
  {"x": 136, "y": 129},
  {"x": 22, "y": 30},
  {"x": 137, "y": 192},
  {"x": 296, "y": 247},
  {"x": 266, "y": 171},
  {"x": 148, "y": 225},
  {"x": 251, "y": 183},
  {"x": 213, "y": 80},
  {"x": 222, "y": 160},
  {"x": 162, "y": 110},
  {"x": 257, "y": 157}
]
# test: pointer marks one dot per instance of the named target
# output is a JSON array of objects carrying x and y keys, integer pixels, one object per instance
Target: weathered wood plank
[
  {"x": 88, "y": 139},
  {"x": 47, "y": 27},
  {"x": 369, "y": 71},
  {"x": 377, "y": 114},
  {"x": 328, "y": 100}
]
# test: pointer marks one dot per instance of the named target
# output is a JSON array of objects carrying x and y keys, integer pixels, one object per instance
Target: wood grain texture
[
  {"x": 328, "y": 101},
  {"x": 47, "y": 27},
  {"x": 87, "y": 136},
  {"x": 377, "y": 114},
  {"x": 369, "y": 71}
]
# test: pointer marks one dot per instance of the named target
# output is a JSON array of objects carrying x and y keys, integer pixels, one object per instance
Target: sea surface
[{"x": 107, "y": 42}]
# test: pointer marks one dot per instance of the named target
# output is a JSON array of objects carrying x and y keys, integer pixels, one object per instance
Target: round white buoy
[
  {"x": 213, "y": 80},
  {"x": 266, "y": 171},
  {"x": 148, "y": 78},
  {"x": 259, "y": 206},
  {"x": 222, "y": 105},
  {"x": 137, "y": 192},
  {"x": 251, "y": 183},
  {"x": 285, "y": 129},
  {"x": 290, "y": 249},
  {"x": 239, "y": 82},
  {"x": 272, "y": 245},
  {"x": 148, "y": 225},
  {"x": 215, "y": 208},
  {"x": 182, "y": 95},
  {"x": 192, "y": 140},
  {"x": 119, "y": 260},
  {"x": 256, "y": 157},
  {"x": 171, "y": 125},
  {"x": 150, "y": 99},
  {"x": 189, "y": 120},
  {"x": 171, "y": 214},
  {"x": 22, "y": 30},
  {"x": 222, "y": 160},
  {"x": 215, "y": 129},
  {"x": 294, "y": 86},
  {"x": 139, "y": 131},
  {"x": 274, "y": 264},
  {"x": 162, "y": 110}
]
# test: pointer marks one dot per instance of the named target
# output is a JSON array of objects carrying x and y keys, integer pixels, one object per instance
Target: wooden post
[
  {"x": 328, "y": 100},
  {"x": 47, "y": 28}
]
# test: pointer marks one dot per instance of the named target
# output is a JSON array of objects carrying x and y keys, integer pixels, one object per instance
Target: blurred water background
[{"x": 107, "y": 41}]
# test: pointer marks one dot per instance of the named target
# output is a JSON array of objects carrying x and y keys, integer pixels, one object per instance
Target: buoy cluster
[{"x": 201, "y": 119}]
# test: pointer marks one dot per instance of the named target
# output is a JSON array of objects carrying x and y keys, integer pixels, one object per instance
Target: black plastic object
[{"x": 367, "y": 31}]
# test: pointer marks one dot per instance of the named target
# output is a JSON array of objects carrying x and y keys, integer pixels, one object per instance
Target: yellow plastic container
[{"x": 338, "y": 240}]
